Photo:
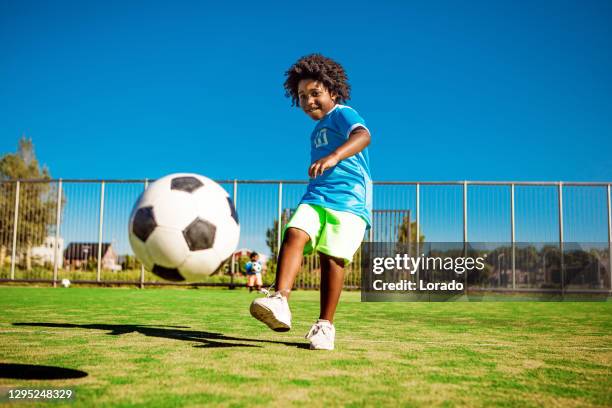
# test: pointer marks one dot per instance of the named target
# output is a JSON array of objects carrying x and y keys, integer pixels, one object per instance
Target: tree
[
  {"x": 408, "y": 227},
  {"x": 272, "y": 233},
  {"x": 37, "y": 201}
]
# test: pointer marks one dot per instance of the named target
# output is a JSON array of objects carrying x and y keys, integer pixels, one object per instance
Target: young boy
[
  {"x": 253, "y": 271},
  {"x": 333, "y": 214}
]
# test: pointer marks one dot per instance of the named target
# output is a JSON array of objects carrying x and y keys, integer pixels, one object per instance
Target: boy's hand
[
  {"x": 317, "y": 168},
  {"x": 357, "y": 141}
]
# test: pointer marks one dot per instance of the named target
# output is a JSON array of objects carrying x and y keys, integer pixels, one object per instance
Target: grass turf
[{"x": 178, "y": 347}]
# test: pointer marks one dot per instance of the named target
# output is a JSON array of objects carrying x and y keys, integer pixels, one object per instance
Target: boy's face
[{"x": 315, "y": 99}]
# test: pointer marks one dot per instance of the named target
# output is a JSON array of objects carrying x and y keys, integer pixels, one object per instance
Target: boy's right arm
[{"x": 358, "y": 140}]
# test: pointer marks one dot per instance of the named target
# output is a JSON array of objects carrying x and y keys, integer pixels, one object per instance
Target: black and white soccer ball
[{"x": 183, "y": 227}]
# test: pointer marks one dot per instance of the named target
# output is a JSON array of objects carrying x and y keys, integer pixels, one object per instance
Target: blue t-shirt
[
  {"x": 348, "y": 185},
  {"x": 251, "y": 269}
]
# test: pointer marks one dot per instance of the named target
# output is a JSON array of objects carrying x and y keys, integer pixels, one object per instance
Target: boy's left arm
[{"x": 358, "y": 140}]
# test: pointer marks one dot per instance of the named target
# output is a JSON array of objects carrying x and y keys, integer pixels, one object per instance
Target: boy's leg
[
  {"x": 274, "y": 310},
  {"x": 340, "y": 237},
  {"x": 304, "y": 225},
  {"x": 250, "y": 282},
  {"x": 290, "y": 259},
  {"x": 322, "y": 334},
  {"x": 332, "y": 281}
]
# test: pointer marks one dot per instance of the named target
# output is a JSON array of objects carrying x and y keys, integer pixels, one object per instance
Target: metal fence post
[
  {"x": 142, "y": 268},
  {"x": 280, "y": 214},
  {"x": 100, "y": 225},
  {"x": 418, "y": 227},
  {"x": 465, "y": 228},
  {"x": 15, "y": 220},
  {"x": 609, "y": 238},
  {"x": 233, "y": 263},
  {"x": 58, "y": 215},
  {"x": 560, "y": 197},
  {"x": 417, "y": 216},
  {"x": 512, "y": 236},
  {"x": 372, "y": 221}
]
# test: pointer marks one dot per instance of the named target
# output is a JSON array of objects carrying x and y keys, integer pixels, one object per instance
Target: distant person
[
  {"x": 332, "y": 216},
  {"x": 253, "y": 271}
]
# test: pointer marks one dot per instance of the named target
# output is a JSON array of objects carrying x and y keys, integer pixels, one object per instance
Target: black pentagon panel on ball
[
  {"x": 188, "y": 184},
  {"x": 171, "y": 274},
  {"x": 144, "y": 223},
  {"x": 233, "y": 210},
  {"x": 200, "y": 234}
]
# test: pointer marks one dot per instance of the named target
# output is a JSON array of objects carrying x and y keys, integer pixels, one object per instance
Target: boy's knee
[{"x": 295, "y": 236}]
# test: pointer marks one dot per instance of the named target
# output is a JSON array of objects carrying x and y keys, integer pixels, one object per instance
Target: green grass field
[{"x": 179, "y": 347}]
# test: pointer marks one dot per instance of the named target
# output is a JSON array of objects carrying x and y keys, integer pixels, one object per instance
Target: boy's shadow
[{"x": 206, "y": 339}]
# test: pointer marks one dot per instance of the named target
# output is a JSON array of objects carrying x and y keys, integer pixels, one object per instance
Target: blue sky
[{"x": 450, "y": 91}]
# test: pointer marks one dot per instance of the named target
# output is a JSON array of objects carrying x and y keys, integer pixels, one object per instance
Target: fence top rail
[{"x": 438, "y": 183}]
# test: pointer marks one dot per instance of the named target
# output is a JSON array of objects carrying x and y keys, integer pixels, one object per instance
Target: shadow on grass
[
  {"x": 207, "y": 339},
  {"x": 38, "y": 372}
]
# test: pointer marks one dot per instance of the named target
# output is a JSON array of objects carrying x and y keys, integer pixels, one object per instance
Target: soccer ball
[
  {"x": 183, "y": 227},
  {"x": 257, "y": 267},
  {"x": 66, "y": 283}
]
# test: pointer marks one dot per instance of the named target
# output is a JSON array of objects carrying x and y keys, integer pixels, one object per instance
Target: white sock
[{"x": 284, "y": 292}]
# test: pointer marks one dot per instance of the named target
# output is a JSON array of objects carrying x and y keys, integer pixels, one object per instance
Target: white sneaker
[
  {"x": 274, "y": 311},
  {"x": 322, "y": 335}
]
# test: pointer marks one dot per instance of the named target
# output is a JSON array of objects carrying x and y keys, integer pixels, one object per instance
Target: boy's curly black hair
[{"x": 319, "y": 68}]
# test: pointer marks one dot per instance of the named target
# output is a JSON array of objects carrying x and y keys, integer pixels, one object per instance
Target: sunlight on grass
[{"x": 190, "y": 347}]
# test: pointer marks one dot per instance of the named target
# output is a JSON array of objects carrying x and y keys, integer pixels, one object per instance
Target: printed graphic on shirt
[{"x": 320, "y": 138}]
